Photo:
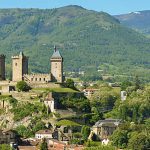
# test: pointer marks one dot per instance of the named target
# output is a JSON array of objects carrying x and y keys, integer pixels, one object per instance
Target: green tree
[
  {"x": 120, "y": 138},
  {"x": 139, "y": 142},
  {"x": 97, "y": 115},
  {"x": 137, "y": 83},
  {"x": 43, "y": 145},
  {"x": 39, "y": 126},
  {"x": 70, "y": 84},
  {"x": 125, "y": 85},
  {"x": 22, "y": 86},
  {"x": 85, "y": 132},
  {"x": 24, "y": 131}
]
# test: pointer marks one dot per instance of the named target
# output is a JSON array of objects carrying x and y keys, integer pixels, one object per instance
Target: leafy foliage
[
  {"x": 120, "y": 138},
  {"x": 22, "y": 86},
  {"x": 32, "y": 128},
  {"x": 70, "y": 83},
  {"x": 44, "y": 145},
  {"x": 137, "y": 107},
  {"x": 79, "y": 104},
  {"x": 5, "y": 147},
  {"x": 139, "y": 141},
  {"x": 26, "y": 109},
  {"x": 85, "y": 132}
]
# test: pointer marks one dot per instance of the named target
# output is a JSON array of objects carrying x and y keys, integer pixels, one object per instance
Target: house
[
  {"x": 105, "y": 128},
  {"x": 7, "y": 137},
  {"x": 56, "y": 145},
  {"x": 105, "y": 142},
  {"x": 44, "y": 134},
  {"x": 123, "y": 95},
  {"x": 89, "y": 92}
]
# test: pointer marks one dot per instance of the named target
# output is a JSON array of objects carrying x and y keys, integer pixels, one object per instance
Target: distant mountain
[
  {"x": 87, "y": 39},
  {"x": 137, "y": 20}
]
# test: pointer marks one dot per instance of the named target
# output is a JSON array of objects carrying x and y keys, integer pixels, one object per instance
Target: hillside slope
[
  {"x": 137, "y": 20},
  {"x": 85, "y": 38}
]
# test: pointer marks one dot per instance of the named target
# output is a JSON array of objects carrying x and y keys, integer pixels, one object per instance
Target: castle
[{"x": 20, "y": 69}]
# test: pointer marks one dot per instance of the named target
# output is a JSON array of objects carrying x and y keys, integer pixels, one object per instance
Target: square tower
[
  {"x": 2, "y": 67},
  {"x": 19, "y": 67},
  {"x": 56, "y": 67}
]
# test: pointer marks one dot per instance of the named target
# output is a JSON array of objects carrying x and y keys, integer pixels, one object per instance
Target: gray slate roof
[
  {"x": 108, "y": 121},
  {"x": 56, "y": 54}
]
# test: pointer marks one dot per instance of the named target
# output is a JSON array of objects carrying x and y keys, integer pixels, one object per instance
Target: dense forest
[{"x": 88, "y": 40}]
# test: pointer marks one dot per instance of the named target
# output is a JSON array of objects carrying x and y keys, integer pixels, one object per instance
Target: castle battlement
[
  {"x": 2, "y": 56},
  {"x": 37, "y": 74},
  {"x": 15, "y": 57},
  {"x": 37, "y": 77}
]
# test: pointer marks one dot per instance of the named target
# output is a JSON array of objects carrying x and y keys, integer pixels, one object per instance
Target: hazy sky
[{"x": 109, "y": 6}]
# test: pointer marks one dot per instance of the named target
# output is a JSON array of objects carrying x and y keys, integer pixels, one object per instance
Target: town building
[
  {"x": 7, "y": 137},
  {"x": 44, "y": 134},
  {"x": 123, "y": 95},
  {"x": 89, "y": 92},
  {"x": 105, "y": 128}
]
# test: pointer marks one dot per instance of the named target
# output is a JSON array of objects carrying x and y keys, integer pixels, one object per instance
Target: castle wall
[
  {"x": 57, "y": 70},
  {"x": 37, "y": 78},
  {"x": 2, "y": 67}
]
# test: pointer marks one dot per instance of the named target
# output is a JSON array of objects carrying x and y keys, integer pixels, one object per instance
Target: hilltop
[
  {"x": 139, "y": 20},
  {"x": 87, "y": 39}
]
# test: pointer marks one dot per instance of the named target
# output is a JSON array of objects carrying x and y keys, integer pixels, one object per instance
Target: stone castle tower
[
  {"x": 2, "y": 67},
  {"x": 19, "y": 67},
  {"x": 56, "y": 66}
]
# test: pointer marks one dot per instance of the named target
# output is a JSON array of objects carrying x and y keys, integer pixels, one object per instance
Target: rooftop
[
  {"x": 44, "y": 132},
  {"x": 56, "y": 54},
  {"x": 108, "y": 121}
]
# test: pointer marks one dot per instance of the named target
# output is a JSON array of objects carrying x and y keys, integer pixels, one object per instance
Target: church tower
[
  {"x": 19, "y": 67},
  {"x": 2, "y": 67},
  {"x": 56, "y": 66}
]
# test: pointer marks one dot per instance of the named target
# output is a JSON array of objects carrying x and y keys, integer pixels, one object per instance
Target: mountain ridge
[
  {"x": 139, "y": 20},
  {"x": 87, "y": 39}
]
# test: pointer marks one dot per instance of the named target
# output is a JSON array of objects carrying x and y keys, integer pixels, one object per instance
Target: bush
[
  {"x": 85, "y": 132},
  {"x": 5, "y": 147},
  {"x": 22, "y": 86},
  {"x": 23, "y": 131},
  {"x": 43, "y": 145},
  {"x": 120, "y": 138},
  {"x": 139, "y": 142},
  {"x": 70, "y": 84}
]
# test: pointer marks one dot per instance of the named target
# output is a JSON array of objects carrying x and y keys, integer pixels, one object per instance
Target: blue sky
[{"x": 109, "y": 6}]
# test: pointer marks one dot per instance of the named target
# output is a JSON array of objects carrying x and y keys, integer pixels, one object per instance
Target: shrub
[{"x": 22, "y": 86}]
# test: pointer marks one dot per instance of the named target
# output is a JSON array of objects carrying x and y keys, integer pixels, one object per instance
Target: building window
[
  {"x": 35, "y": 79},
  {"x": 39, "y": 79},
  {"x": 44, "y": 79},
  {"x": 31, "y": 79},
  {"x": 15, "y": 64}
]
